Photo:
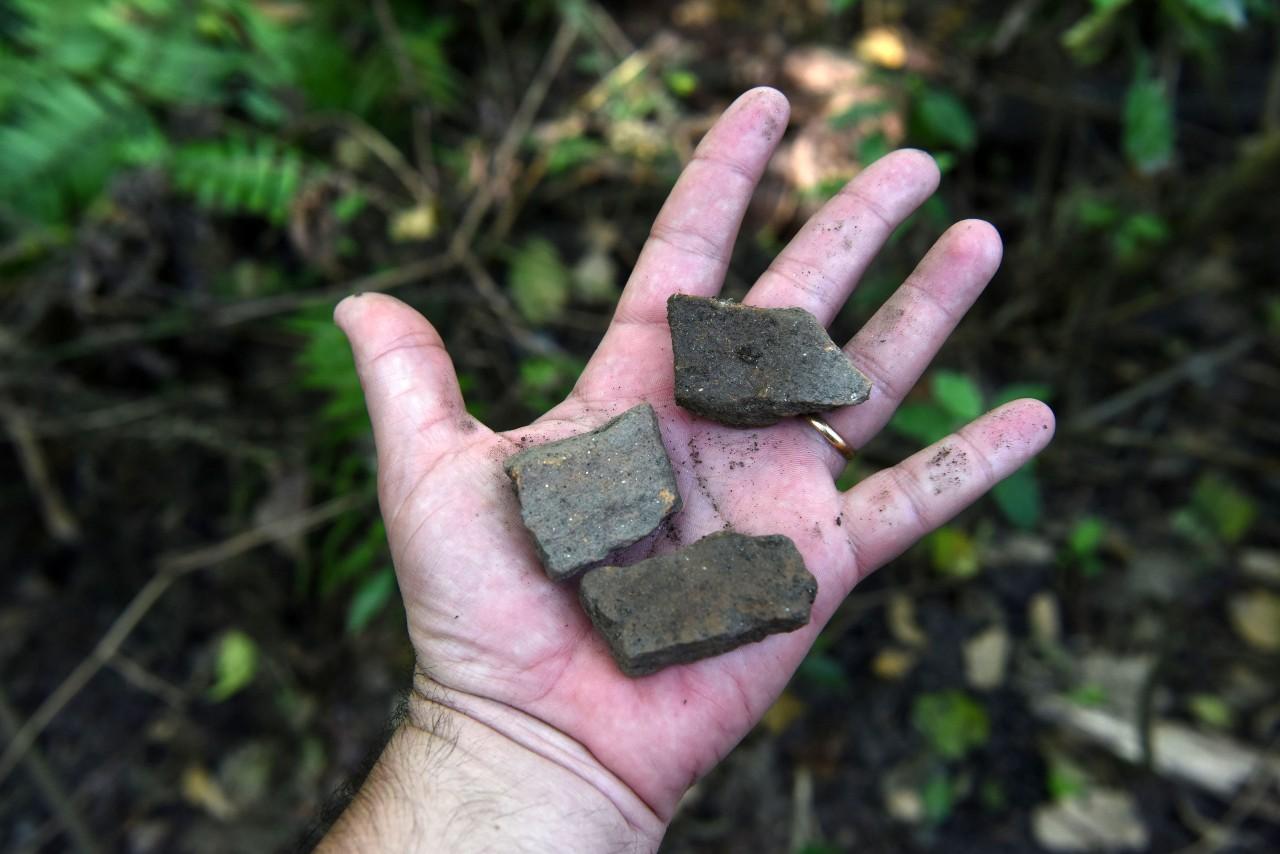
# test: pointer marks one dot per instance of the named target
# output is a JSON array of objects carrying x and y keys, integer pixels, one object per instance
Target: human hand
[{"x": 502, "y": 646}]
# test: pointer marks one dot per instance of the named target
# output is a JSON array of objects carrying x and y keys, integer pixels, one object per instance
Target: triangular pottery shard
[
  {"x": 723, "y": 591},
  {"x": 589, "y": 495},
  {"x": 751, "y": 367}
]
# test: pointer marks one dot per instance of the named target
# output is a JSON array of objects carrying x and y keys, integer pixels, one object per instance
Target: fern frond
[{"x": 240, "y": 176}]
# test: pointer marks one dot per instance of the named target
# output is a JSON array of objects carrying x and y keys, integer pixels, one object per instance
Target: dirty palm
[{"x": 484, "y": 618}]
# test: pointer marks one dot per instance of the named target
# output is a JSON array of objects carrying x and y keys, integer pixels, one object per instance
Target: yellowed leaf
[
  {"x": 893, "y": 664},
  {"x": 902, "y": 621},
  {"x": 1256, "y": 618},
  {"x": 200, "y": 789},
  {"x": 415, "y": 223},
  {"x": 784, "y": 712},
  {"x": 882, "y": 46}
]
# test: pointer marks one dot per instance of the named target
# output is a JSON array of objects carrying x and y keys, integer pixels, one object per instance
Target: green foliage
[
  {"x": 1063, "y": 779},
  {"x": 372, "y": 596},
  {"x": 871, "y": 148},
  {"x": 569, "y": 153},
  {"x": 953, "y": 552},
  {"x": 325, "y": 364},
  {"x": 940, "y": 119},
  {"x": 1148, "y": 124},
  {"x": 1211, "y": 710},
  {"x": 1018, "y": 497},
  {"x": 1221, "y": 507},
  {"x": 1191, "y": 26},
  {"x": 1083, "y": 545},
  {"x": 545, "y": 380},
  {"x": 1228, "y": 13},
  {"x": 823, "y": 671},
  {"x": 953, "y": 723},
  {"x": 88, "y": 83},
  {"x": 235, "y": 665},
  {"x": 938, "y": 796},
  {"x": 353, "y": 552},
  {"x": 1089, "y": 695},
  {"x": 539, "y": 281},
  {"x": 237, "y": 176},
  {"x": 1131, "y": 234},
  {"x": 957, "y": 394},
  {"x": 859, "y": 113},
  {"x": 681, "y": 82}
]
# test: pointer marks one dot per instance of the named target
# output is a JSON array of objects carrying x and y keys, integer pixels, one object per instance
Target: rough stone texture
[
  {"x": 751, "y": 367},
  {"x": 723, "y": 591},
  {"x": 587, "y": 496}
]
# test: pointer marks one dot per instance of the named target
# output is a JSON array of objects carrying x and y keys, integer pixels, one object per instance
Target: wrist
[{"x": 464, "y": 773}]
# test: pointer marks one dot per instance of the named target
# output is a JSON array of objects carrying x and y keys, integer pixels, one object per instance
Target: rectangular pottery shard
[
  {"x": 751, "y": 367},
  {"x": 587, "y": 496},
  {"x": 723, "y": 591}
]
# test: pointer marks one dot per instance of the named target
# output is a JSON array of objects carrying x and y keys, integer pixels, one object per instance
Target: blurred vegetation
[{"x": 187, "y": 186}]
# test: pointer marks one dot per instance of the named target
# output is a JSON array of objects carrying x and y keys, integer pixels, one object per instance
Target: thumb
[{"x": 409, "y": 383}]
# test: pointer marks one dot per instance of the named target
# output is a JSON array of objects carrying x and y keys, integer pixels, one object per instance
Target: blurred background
[{"x": 200, "y": 639}]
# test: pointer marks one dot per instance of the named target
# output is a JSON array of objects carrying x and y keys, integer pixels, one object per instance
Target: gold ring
[{"x": 833, "y": 438}]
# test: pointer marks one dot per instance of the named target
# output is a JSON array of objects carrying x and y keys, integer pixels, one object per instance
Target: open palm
[{"x": 491, "y": 629}]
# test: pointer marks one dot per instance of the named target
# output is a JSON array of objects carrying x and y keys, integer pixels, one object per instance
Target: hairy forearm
[{"x": 465, "y": 774}]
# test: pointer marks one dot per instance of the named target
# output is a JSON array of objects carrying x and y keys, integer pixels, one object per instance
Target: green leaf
[
  {"x": 1018, "y": 497},
  {"x": 571, "y": 152},
  {"x": 1064, "y": 780},
  {"x": 1086, "y": 536},
  {"x": 823, "y": 671},
  {"x": 952, "y": 722},
  {"x": 1096, "y": 213},
  {"x": 942, "y": 119},
  {"x": 1229, "y": 511},
  {"x": 371, "y": 597},
  {"x": 953, "y": 552},
  {"x": 348, "y": 206},
  {"x": 682, "y": 83},
  {"x": 924, "y": 422},
  {"x": 1212, "y": 710},
  {"x": 545, "y": 380},
  {"x": 236, "y": 664},
  {"x": 859, "y": 113},
  {"x": 1089, "y": 695},
  {"x": 1148, "y": 125},
  {"x": 871, "y": 148},
  {"x": 1088, "y": 38},
  {"x": 1017, "y": 391},
  {"x": 937, "y": 796},
  {"x": 1228, "y": 13},
  {"x": 958, "y": 394},
  {"x": 539, "y": 281}
]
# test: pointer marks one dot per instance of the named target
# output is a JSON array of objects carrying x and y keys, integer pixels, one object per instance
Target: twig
[
  {"x": 609, "y": 31},
  {"x": 421, "y": 125},
  {"x": 505, "y": 153},
  {"x": 144, "y": 680},
  {"x": 58, "y": 520},
  {"x": 1200, "y": 363},
  {"x": 380, "y": 147},
  {"x": 258, "y": 309},
  {"x": 168, "y": 570},
  {"x": 64, "y": 811}
]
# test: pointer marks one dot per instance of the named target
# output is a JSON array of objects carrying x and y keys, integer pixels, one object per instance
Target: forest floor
[{"x": 197, "y": 625}]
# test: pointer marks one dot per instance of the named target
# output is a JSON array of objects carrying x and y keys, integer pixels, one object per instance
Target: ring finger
[{"x": 900, "y": 340}]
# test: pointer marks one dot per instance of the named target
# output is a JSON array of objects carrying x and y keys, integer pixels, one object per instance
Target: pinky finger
[{"x": 893, "y": 508}]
